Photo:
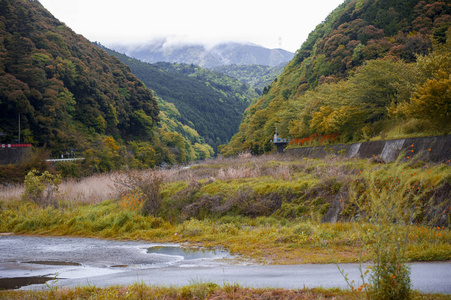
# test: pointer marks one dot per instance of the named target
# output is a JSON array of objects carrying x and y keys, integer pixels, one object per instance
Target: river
[{"x": 28, "y": 262}]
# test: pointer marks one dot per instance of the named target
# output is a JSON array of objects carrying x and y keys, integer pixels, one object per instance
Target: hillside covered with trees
[
  {"x": 373, "y": 69},
  {"x": 209, "y": 102},
  {"x": 69, "y": 94},
  {"x": 257, "y": 77}
]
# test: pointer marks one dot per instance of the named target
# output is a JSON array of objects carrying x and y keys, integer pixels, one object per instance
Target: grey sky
[{"x": 273, "y": 24}]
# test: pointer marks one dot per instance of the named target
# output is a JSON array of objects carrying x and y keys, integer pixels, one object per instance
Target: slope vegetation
[
  {"x": 372, "y": 69},
  {"x": 70, "y": 94},
  {"x": 256, "y": 76},
  {"x": 64, "y": 88},
  {"x": 209, "y": 102}
]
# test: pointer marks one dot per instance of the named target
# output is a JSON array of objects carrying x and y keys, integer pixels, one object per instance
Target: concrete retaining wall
[
  {"x": 434, "y": 149},
  {"x": 13, "y": 155}
]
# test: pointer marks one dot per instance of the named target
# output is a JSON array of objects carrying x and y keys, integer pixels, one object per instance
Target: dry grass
[
  {"x": 11, "y": 191},
  {"x": 243, "y": 166},
  {"x": 100, "y": 187},
  {"x": 237, "y": 172},
  {"x": 194, "y": 291},
  {"x": 93, "y": 189}
]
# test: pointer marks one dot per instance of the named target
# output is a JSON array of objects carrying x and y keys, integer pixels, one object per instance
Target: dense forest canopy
[
  {"x": 62, "y": 86},
  {"x": 70, "y": 94},
  {"x": 363, "y": 73},
  {"x": 255, "y": 76}
]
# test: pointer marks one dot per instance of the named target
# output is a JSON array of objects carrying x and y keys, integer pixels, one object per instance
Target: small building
[{"x": 279, "y": 143}]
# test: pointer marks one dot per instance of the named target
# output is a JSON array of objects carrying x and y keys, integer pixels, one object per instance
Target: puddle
[
  {"x": 52, "y": 263},
  {"x": 187, "y": 253},
  {"x": 18, "y": 282}
]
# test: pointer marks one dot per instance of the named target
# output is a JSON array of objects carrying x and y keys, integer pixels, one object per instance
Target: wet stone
[{"x": 52, "y": 263}]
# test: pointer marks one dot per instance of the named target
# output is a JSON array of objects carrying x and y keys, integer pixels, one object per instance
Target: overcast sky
[{"x": 272, "y": 24}]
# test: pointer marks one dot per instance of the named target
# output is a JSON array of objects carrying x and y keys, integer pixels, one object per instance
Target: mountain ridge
[{"x": 226, "y": 53}]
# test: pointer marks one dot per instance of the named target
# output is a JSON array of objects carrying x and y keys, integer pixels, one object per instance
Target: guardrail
[{"x": 64, "y": 159}]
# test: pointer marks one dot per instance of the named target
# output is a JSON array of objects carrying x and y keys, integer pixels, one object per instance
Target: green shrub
[
  {"x": 69, "y": 169},
  {"x": 388, "y": 201},
  {"x": 41, "y": 189}
]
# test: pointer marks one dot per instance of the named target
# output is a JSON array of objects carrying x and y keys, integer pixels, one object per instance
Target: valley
[{"x": 175, "y": 148}]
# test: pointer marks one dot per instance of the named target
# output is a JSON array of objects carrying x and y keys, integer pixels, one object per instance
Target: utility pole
[{"x": 19, "y": 128}]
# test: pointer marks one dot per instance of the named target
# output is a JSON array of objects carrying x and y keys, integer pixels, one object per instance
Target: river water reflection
[
  {"x": 71, "y": 262},
  {"x": 189, "y": 253},
  {"x": 26, "y": 260}
]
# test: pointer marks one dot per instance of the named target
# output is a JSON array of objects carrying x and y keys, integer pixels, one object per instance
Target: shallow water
[
  {"x": 188, "y": 253},
  {"x": 26, "y": 260},
  {"x": 35, "y": 260}
]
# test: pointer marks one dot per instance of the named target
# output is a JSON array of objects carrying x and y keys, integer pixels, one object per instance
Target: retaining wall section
[
  {"x": 433, "y": 149},
  {"x": 13, "y": 155}
]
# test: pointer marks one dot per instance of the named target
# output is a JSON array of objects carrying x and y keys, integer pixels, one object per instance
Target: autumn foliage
[
  {"x": 371, "y": 70},
  {"x": 71, "y": 95},
  {"x": 320, "y": 139}
]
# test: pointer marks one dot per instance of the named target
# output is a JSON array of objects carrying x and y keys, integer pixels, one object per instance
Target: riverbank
[{"x": 272, "y": 209}]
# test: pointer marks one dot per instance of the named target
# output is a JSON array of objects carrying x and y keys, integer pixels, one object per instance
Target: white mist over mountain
[
  {"x": 272, "y": 24},
  {"x": 221, "y": 54}
]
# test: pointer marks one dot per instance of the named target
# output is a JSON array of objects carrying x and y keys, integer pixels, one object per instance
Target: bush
[
  {"x": 41, "y": 189},
  {"x": 388, "y": 201},
  {"x": 147, "y": 184},
  {"x": 69, "y": 169}
]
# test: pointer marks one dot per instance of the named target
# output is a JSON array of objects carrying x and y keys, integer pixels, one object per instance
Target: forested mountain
[
  {"x": 239, "y": 93},
  {"x": 256, "y": 76},
  {"x": 70, "y": 94},
  {"x": 209, "y": 102},
  {"x": 207, "y": 57},
  {"x": 372, "y": 69}
]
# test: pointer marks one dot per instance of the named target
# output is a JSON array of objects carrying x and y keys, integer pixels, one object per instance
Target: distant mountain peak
[{"x": 204, "y": 55}]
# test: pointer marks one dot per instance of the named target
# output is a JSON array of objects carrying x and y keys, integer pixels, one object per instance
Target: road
[{"x": 78, "y": 261}]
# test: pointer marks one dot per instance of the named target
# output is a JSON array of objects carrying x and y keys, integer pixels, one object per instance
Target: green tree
[
  {"x": 144, "y": 153},
  {"x": 431, "y": 99},
  {"x": 202, "y": 152},
  {"x": 432, "y": 102},
  {"x": 374, "y": 87}
]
